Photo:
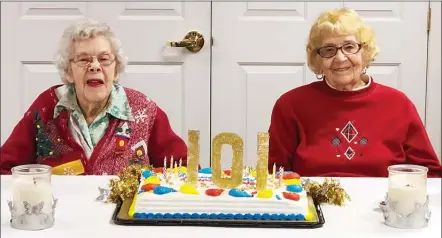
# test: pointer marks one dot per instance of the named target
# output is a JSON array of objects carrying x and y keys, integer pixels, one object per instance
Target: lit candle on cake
[
  {"x": 407, "y": 193},
  {"x": 262, "y": 165},
  {"x": 165, "y": 167},
  {"x": 281, "y": 173},
  {"x": 179, "y": 167}
]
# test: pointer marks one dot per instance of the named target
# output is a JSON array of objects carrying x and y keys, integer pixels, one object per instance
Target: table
[{"x": 78, "y": 214}]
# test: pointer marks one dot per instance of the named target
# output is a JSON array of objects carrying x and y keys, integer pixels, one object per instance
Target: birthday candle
[
  {"x": 281, "y": 173},
  {"x": 164, "y": 167},
  {"x": 274, "y": 173},
  {"x": 179, "y": 167},
  {"x": 171, "y": 163}
]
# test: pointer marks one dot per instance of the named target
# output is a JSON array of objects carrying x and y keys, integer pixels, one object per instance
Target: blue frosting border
[{"x": 221, "y": 216}]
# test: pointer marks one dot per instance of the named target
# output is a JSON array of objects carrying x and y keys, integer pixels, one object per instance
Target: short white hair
[{"x": 82, "y": 31}]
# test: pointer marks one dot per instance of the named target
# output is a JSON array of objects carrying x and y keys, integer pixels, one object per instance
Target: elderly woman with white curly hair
[
  {"x": 89, "y": 125},
  {"x": 346, "y": 124}
]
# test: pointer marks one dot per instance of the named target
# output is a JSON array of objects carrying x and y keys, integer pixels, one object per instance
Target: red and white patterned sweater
[{"x": 124, "y": 142}]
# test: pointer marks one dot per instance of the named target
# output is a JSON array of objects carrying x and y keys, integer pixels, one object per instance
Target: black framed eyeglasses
[
  {"x": 85, "y": 60},
  {"x": 347, "y": 49}
]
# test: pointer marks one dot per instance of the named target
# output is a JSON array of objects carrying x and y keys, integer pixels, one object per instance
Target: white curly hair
[{"x": 82, "y": 31}]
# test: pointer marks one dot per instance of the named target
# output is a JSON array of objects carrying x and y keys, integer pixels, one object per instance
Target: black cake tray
[{"x": 121, "y": 217}]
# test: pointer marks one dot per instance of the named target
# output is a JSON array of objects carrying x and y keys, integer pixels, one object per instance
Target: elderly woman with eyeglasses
[
  {"x": 91, "y": 125},
  {"x": 346, "y": 124}
]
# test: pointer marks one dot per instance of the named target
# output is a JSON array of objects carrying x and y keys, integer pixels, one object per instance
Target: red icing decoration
[
  {"x": 291, "y": 176},
  {"x": 214, "y": 192},
  {"x": 253, "y": 193},
  {"x": 291, "y": 196},
  {"x": 227, "y": 172},
  {"x": 158, "y": 170},
  {"x": 149, "y": 186}
]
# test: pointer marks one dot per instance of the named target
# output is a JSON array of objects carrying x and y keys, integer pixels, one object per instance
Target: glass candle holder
[
  {"x": 33, "y": 204},
  {"x": 407, "y": 198}
]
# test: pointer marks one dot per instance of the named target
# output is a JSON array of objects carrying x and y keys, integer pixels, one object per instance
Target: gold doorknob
[{"x": 193, "y": 41}]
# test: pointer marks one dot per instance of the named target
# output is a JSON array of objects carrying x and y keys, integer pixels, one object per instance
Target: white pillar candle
[
  {"x": 32, "y": 198},
  {"x": 405, "y": 191}
]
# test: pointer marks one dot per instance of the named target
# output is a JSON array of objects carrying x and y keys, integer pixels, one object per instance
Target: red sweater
[
  {"x": 148, "y": 141},
  {"x": 318, "y": 131}
]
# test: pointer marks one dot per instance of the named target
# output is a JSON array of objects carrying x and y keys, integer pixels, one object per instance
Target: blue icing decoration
[
  {"x": 300, "y": 217},
  {"x": 278, "y": 197},
  {"x": 248, "y": 216},
  {"x": 141, "y": 191},
  {"x": 294, "y": 188},
  {"x": 265, "y": 216},
  {"x": 224, "y": 216},
  {"x": 147, "y": 174},
  {"x": 238, "y": 193},
  {"x": 229, "y": 216},
  {"x": 205, "y": 171},
  {"x": 160, "y": 190}
]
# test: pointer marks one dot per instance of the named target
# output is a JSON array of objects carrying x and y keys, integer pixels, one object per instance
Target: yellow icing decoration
[
  {"x": 253, "y": 173},
  {"x": 308, "y": 216},
  {"x": 152, "y": 180},
  {"x": 132, "y": 206},
  {"x": 268, "y": 193},
  {"x": 291, "y": 181},
  {"x": 188, "y": 189}
]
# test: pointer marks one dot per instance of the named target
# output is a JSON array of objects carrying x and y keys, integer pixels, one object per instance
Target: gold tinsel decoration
[
  {"x": 330, "y": 191},
  {"x": 126, "y": 185}
]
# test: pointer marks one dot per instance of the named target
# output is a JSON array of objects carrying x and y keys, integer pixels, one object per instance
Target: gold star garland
[
  {"x": 126, "y": 185},
  {"x": 330, "y": 191}
]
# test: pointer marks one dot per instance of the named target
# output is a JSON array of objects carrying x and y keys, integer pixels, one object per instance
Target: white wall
[{"x": 433, "y": 112}]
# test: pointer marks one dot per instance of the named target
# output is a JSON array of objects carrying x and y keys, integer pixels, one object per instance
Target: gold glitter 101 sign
[
  {"x": 237, "y": 164},
  {"x": 236, "y": 142}
]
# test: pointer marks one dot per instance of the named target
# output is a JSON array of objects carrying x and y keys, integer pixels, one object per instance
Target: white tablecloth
[{"x": 78, "y": 214}]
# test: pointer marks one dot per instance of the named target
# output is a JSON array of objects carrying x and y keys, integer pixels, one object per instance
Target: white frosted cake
[{"x": 171, "y": 197}]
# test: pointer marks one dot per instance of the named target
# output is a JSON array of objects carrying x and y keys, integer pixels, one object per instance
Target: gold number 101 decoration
[
  {"x": 237, "y": 164},
  {"x": 236, "y": 142}
]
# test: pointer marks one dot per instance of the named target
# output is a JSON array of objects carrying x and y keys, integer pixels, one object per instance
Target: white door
[
  {"x": 175, "y": 78},
  {"x": 259, "y": 53}
]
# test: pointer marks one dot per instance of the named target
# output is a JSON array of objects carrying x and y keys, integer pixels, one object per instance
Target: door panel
[{"x": 178, "y": 80}]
